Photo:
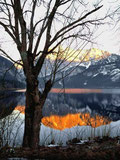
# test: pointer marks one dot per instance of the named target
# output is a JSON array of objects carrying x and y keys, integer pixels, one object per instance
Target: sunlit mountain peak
[
  {"x": 95, "y": 54},
  {"x": 79, "y": 55},
  {"x": 17, "y": 66}
]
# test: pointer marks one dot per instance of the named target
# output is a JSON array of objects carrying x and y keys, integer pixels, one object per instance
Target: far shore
[
  {"x": 71, "y": 90},
  {"x": 60, "y": 90}
]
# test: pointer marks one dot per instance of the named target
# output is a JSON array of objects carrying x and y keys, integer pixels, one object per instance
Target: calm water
[
  {"x": 105, "y": 102},
  {"x": 66, "y": 113}
]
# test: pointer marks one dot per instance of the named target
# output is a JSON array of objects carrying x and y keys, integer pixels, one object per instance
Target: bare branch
[
  {"x": 8, "y": 31},
  {"x": 6, "y": 55},
  {"x": 31, "y": 26},
  {"x": 73, "y": 24},
  {"x": 22, "y": 24},
  {"x": 17, "y": 33},
  {"x": 6, "y": 4},
  {"x": 9, "y": 16},
  {"x": 43, "y": 28}
]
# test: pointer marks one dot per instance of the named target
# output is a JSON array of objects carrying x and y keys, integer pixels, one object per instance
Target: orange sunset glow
[
  {"x": 21, "y": 109},
  {"x": 70, "y": 120},
  {"x": 75, "y": 90},
  {"x": 70, "y": 90},
  {"x": 79, "y": 55},
  {"x": 76, "y": 55}
]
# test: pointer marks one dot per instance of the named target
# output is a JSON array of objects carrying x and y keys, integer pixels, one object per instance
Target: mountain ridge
[
  {"x": 102, "y": 73},
  {"x": 98, "y": 74}
]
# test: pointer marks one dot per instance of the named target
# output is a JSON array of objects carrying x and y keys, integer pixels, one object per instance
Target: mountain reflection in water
[
  {"x": 87, "y": 112},
  {"x": 70, "y": 120},
  {"x": 103, "y": 102}
]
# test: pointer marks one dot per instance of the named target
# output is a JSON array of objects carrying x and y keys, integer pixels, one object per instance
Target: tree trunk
[{"x": 33, "y": 114}]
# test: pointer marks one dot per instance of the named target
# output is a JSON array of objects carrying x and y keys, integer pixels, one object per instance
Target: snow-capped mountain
[
  {"x": 10, "y": 77},
  {"x": 103, "y": 73}
]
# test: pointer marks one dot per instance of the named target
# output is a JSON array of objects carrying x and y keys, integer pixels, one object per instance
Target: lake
[{"x": 67, "y": 114}]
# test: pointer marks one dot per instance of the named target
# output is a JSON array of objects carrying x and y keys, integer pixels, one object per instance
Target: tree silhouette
[{"x": 41, "y": 29}]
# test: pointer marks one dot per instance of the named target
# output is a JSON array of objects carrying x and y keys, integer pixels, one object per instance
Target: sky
[
  {"x": 108, "y": 40},
  {"x": 107, "y": 36}
]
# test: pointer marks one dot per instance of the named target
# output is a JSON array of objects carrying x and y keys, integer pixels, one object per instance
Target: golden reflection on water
[
  {"x": 71, "y": 120},
  {"x": 75, "y": 90},
  {"x": 21, "y": 109},
  {"x": 70, "y": 90}
]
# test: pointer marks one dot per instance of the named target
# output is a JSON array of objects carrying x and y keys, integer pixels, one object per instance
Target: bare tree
[{"x": 40, "y": 29}]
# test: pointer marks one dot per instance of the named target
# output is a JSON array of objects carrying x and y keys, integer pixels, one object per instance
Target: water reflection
[
  {"x": 65, "y": 115},
  {"x": 70, "y": 120},
  {"x": 105, "y": 103},
  {"x": 8, "y": 101},
  {"x": 75, "y": 90}
]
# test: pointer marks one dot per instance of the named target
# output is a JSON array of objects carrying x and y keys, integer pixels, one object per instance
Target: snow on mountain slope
[
  {"x": 104, "y": 73},
  {"x": 97, "y": 73}
]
